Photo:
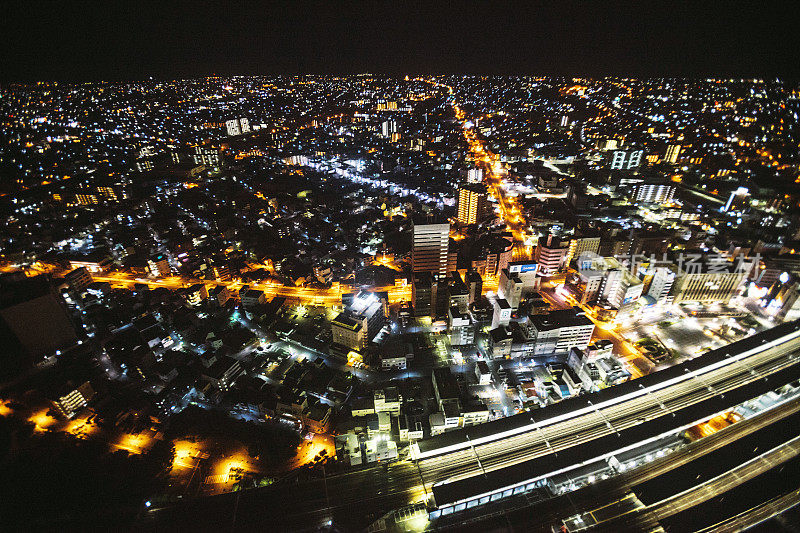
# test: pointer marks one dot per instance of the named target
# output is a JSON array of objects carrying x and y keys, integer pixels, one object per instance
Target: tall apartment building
[
  {"x": 620, "y": 286},
  {"x": 581, "y": 245},
  {"x": 388, "y": 127},
  {"x": 471, "y": 203},
  {"x": 429, "y": 247},
  {"x": 652, "y": 193},
  {"x": 475, "y": 175},
  {"x": 624, "y": 160},
  {"x": 237, "y": 126},
  {"x": 673, "y": 152},
  {"x": 208, "y": 156}
]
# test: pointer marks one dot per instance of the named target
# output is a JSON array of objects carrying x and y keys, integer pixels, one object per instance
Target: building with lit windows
[
  {"x": 95, "y": 263},
  {"x": 73, "y": 399},
  {"x": 195, "y": 294},
  {"x": 223, "y": 373},
  {"x": 737, "y": 201},
  {"x": 624, "y": 160},
  {"x": 652, "y": 193},
  {"x": 430, "y": 244},
  {"x": 581, "y": 245},
  {"x": 673, "y": 152},
  {"x": 605, "y": 280},
  {"x": 510, "y": 287},
  {"x": 237, "y": 126},
  {"x": 158, "y": 265},
  {"x": 350, "y": 331},
  {"x": 367, "y": 305},
  {"x": 460, "y": 329},
  {"x": 471, "y": 203},
  {"x": 491, "y": 254},
  {"x": 709, "y": 283},
  {"x": 550, "y": 254},
  {"x": 208, "y": 156},
  {"x": 660, "y": 283},
  {"x": 559, "y": 331},
  {"x": 475, "y": 175},
  {"x": 83, "y": 198}
]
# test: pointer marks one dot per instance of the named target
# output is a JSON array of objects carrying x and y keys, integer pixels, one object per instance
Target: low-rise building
[
  {"x": 380, "y": 450},
  {"x": 195, "y": 294},
  {"x": 499, "y": 342},
  {"x": 318, "y": 418},
  {"x": 560, "y": 330},
  {"x": 252, "y": 297},
  {"x": 388, "y": 400},
  {"x": 223, "y": 373},
  {"x": 483, "y": 373},
  {"x": 78, "y": 279},
  {"x": 460, "y": 329},
  {"x": 349, "y": 331},
  {"x": 72, "y": 399}
]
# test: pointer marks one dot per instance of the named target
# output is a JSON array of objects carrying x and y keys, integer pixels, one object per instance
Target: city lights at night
[{"x": 402, "y": 267}]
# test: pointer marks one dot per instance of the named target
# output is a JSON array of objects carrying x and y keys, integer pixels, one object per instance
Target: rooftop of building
[
  {"x": 560, "y": 318},
  {"x": 346, "y": 320}
]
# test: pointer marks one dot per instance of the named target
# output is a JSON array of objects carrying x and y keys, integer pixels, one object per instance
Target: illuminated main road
[
  {"x": 305, "y": 295},
  {"x": 510, "y": 210}
]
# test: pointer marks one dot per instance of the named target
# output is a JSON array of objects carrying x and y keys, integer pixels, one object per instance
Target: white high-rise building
[
  {"x": 475, "y": 175},
  {"x": 501, "y": 315},
  {"x": 429, "y": 247},
  {"x": 237, "y": 126},
  {"x": 388, "y": 127},
  {"x": 620, "y": 287},
  {"x": 623, "y": 160},
  {"x": 653, "y": 193},
  {"x": 660, "y": 285},
  {"x": 233, "y": 127}
]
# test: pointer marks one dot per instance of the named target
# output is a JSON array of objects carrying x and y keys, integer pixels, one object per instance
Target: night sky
[{"x": 88, "y": 41}]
